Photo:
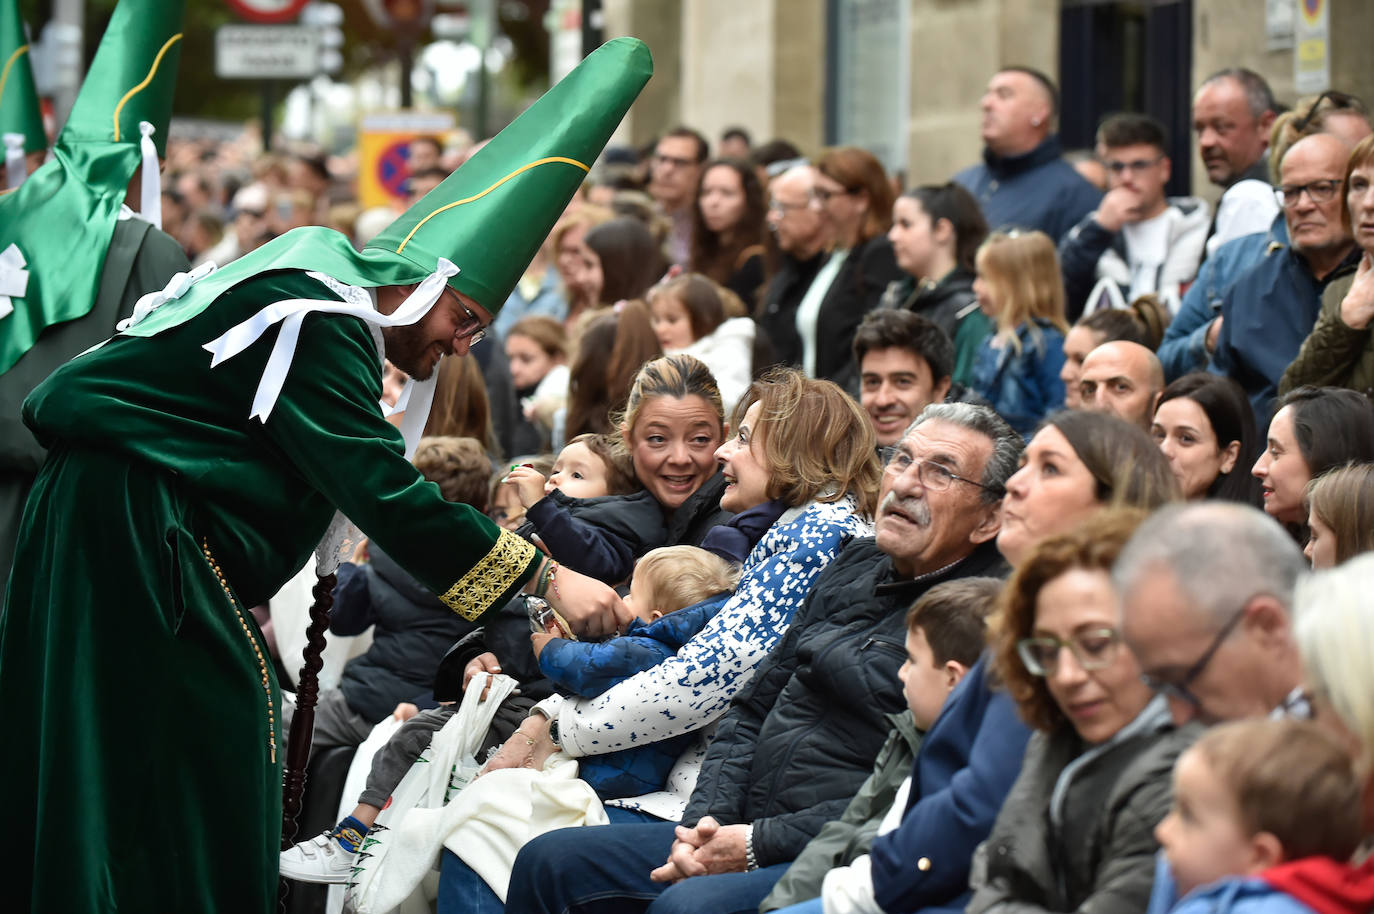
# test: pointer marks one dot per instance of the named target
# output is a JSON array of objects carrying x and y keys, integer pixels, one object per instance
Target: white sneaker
[{"x": 321, "y": 860}]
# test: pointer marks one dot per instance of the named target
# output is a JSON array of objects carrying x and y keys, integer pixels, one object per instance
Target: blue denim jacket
[
  {"x": 1024, "y": 387},
  {"x": 1184, "y": 348}
]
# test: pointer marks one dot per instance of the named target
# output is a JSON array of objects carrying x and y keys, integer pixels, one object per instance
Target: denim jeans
[
  {"x": 462, "y": 891},
  {"x": 605, "y": 869}
]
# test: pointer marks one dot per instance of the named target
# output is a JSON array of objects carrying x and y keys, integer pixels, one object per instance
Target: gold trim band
[
  {"x": 493, "y": 575},
  {"x": 5, "y": 73},
  {"x": 520, "y": 170},
  {"x": 157, "y": 61}
]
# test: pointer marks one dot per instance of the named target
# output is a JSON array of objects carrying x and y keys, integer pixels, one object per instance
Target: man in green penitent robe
[
  {"x": 73, "y": 257},
  {"x": 194, "y": 462}
]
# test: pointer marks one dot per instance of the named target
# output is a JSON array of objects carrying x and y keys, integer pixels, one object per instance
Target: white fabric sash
[
  {"x": 14, "y": 279},
  {"x": 150, "y": 202},
  {"x": 291, "y": 313},
  {"x": 16, "y": 169}
]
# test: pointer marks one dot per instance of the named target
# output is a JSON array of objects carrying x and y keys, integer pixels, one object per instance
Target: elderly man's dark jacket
[{"x": 801, "y": 738}]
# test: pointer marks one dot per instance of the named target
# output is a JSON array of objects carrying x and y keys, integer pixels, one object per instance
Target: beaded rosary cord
[{"x": 257, "y": 649}]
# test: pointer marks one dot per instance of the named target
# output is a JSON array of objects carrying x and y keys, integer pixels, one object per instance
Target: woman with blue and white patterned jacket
[
  {"x": 805, "y": 449},
  {"x": 801, "y": 448}
]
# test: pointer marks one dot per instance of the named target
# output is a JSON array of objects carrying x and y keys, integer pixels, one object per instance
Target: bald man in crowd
[
  {"x": 1023, "y": 180},
  {"x": 1124, "y": 379}
]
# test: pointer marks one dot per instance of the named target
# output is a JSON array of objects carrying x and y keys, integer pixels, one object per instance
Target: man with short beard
[
  {"x": 197, "y": 460},
  {"x": 802, "y": 736}
]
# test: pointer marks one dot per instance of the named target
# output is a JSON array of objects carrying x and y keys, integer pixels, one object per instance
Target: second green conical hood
[
  {"x": 19, "y": 111},
  {"x": 132, "y": 78},
  {"x": 491, "y": 215}
]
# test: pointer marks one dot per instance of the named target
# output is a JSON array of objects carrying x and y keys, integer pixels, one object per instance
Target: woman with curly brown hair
[{"x": 1077, "y": 830}]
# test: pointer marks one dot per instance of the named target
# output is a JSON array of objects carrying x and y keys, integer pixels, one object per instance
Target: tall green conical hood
[
  {"x": 491, "y": 215},
  {"x": 61, "y": 219},
  {"x": 132, "y": 78},
  {"x": 19, "y": 111}
]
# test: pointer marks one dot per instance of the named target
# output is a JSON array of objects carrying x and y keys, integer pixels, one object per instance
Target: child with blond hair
[{"x": 1020, "y": 288}]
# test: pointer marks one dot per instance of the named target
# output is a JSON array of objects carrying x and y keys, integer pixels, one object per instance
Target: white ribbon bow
[
  {"x": 14, "y": 279},
  {"x": 175, "y": 288},
  {"x": 16, "y": 169},
  {"x": 291, "y": 313},
  {"x": 150, "y": 202}
]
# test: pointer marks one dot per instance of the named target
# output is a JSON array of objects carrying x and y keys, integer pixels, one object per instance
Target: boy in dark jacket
[{"x": 591, "y": 514}]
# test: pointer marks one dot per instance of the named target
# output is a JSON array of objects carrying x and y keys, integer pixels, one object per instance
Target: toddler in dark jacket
[{"x": 591, "y": 514}]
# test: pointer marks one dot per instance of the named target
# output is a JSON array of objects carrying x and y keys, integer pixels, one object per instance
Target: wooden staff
[{"x": 303, "y": 721}]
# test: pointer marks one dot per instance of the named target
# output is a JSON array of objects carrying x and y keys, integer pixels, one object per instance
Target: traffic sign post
[{"x": 266, "y": 52}]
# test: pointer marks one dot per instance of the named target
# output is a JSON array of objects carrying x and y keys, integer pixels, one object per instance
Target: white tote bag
[{"x": 384, "y": 882}]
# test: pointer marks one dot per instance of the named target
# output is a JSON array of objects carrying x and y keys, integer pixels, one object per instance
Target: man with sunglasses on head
[{"x": 1138, "y": 241}]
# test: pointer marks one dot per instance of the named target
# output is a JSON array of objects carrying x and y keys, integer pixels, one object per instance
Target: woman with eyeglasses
[
  {"x": 1339, "y": 352},
  {"x": 1077, "y": 464},
  {"x": 1076, "y": 833},
  {"x": 854, "y": 196}
]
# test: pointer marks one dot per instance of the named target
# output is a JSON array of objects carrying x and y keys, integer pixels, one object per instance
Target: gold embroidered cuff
[{"x": 491, "y": 578}]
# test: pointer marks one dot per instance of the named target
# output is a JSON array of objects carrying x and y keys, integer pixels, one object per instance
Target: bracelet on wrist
[
  {"x": 751, "y": 862},
  {"x": 543, "y": 577}
]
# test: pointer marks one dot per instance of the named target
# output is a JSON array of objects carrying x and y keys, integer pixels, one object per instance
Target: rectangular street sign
[{"x": 266, "y": 52}]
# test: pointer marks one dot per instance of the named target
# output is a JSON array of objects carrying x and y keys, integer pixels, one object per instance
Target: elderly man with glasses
[
  {"x": 803, "y": 236},
  {"x": 1271, "y": 308},
  {"x": 1206, "y": 603},
  {"x": 803, "y": 735}
]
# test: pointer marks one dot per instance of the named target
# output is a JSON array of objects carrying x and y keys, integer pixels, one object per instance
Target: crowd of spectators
[{"x": 1029, "y": 485}]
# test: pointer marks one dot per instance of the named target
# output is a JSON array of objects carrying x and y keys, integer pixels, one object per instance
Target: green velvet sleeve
[{"x": 328, "y": 425}]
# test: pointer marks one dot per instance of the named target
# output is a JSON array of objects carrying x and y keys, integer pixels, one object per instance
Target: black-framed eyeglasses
[
  {"x": 934, "y": 476},
  {"x": 471, "y": 328},
  {"x": 1117, "y": 167},
  {"x": 1093, "y": 649},
  {"x": 825, "y": 196},
  {"x": 675, "y": 161},
  {"x": 1179, "y": 689},
  {"x": 777, "y": 205},
  {"x": 1319, "y": 191}
]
